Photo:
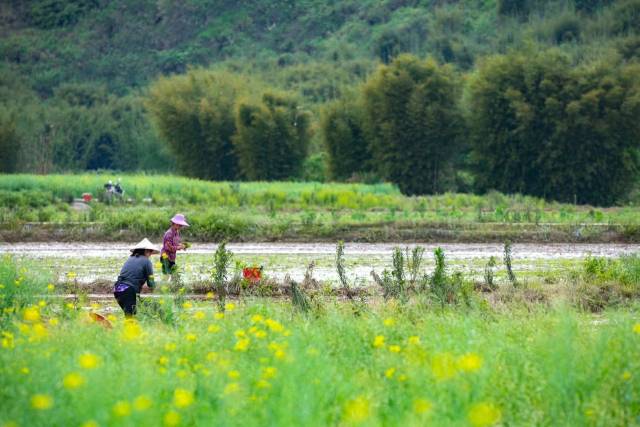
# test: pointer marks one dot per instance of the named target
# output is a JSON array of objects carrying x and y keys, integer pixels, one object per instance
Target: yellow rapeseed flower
[
  {"x": 212, "y": 356},
  {"x": 626, "y": 376},
  {"x": 231, "y": 388},
  {"x": 41, "y": 402},
  {"x": 42, "y": 303},
  {"x": 263, "y": 384},
  {"x": 187, "y": 305},
  {"x": 53, "y": 321},
  {"x": 469, "y": 362},
  {"x": 89, "y": 361},
  {"x": 73, "y": 381},
  {"x": 31, "y": 314},
  {"x": 71, "y": 275},
  {"x": 422, "y": 406},
  {"x": 218, "y": 316},
  {"x": 389, "y": 373},
  {"x": 274, "y": 325},
  {"x": 182, "y": 398},
  {"x": 90, "y": 423},
  {"x": 210, "y": 295},
  {"x": 378, "y": 341},
  {"x": 394, "y": 348},
  {"x": 38, "y": 331},
  {"x": 414, "y": 340},
  {"x": 234, "y": 375},
  {"x": 51, "y": 287},
  {"x": 257, "y": 318},
  {"x": 357, "y": 410},
  {"x": 7, "y": 340},
  {"x": 484, "y": 414},
  {"x": 636, "y": 328},
  {"x": 389, "y": 321},
  {"x": 25, "y": 370},
  {"x": 242, "y": 345},
  {"x": 170, "y": 346},
  {"x": 443, "y": 366},
  {"x": 199, "y": 315},
  {"x": 213, "y": 329},
  {"x": 132, "y": 330},
  {"x": 229, "y": 306},
  {"x": 269, "y": 372},
  {"x": 171, "y": 419},
  {"x": 191, "y": 337},
  {"x": 142, "y": 403},
  {"x": 163, "y": 360},
  {"x": 122, "y": 408},
  {"x": 259, "y": 333}
]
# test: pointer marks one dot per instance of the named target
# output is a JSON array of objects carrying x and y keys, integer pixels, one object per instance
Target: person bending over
[{"x": 134, "y": 273}]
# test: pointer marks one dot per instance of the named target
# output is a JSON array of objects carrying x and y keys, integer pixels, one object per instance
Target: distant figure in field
[
  {"x": 172, "y": 243},
  {"x": 134, "y": 273},
  {"x": 119, "y": 190},
  {"x": 111, "y": 190}
]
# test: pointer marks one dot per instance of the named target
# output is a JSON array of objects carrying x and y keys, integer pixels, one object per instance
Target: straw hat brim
[{"x": 147, "y": 245}]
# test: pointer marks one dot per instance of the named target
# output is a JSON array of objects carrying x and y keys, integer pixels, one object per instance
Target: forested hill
[{"x": 127, "y": 43}]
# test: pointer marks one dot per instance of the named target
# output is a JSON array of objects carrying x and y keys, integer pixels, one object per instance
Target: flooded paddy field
[{"x": 100, "y": 262}]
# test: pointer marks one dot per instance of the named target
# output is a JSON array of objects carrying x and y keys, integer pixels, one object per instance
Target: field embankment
[{"x": 38, "y": 208}]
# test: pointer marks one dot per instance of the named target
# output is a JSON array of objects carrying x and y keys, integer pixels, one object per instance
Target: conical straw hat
[{"x": 146, "y": 244}]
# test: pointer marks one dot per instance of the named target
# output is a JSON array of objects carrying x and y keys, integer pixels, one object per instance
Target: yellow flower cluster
[
  {"x": 88, "y": 361},
  {"x": 357, "y": 410},
  {"x": 484, "y": 414}
]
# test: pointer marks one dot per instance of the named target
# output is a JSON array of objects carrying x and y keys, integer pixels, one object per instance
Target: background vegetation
[{"x": 90, "y": 84}]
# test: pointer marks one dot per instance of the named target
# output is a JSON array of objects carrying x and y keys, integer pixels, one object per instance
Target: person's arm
[{"x": 151, "y": 282}]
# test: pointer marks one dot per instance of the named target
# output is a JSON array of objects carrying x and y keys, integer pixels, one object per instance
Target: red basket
[
  {"x": 87, "y": 197},
  {"x": 252, "y": 274}
]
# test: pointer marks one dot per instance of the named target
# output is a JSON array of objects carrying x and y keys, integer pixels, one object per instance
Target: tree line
[
  {"x": 532, "y": 123},
  {"x": 535, "y": 122}
]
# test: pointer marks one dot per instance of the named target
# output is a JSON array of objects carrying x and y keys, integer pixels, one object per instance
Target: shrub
[
  {"x": 272, "y": 138},
  {"x": 194, "y": 114},
  {"x": 412, "y": 114},
  {"x": 344, "y": 138},
  {"x": 545, "y": 128},
  {"x": 9, "y": 144}
]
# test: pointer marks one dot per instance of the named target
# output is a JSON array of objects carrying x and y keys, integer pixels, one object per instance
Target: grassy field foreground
[
  {"x": 263, "y": 363},
  {"x": 39, "y": 208}
]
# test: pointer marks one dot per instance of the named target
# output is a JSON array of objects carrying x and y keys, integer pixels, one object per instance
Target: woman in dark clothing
[{"x": 134, "y": 273}]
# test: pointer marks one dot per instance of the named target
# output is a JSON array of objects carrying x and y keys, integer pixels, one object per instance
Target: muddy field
[{"x": 100, "y": 262}]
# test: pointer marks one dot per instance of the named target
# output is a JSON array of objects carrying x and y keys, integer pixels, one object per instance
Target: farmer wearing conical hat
[
  {"x": 134, "y": 273},
  {"x": 172, "y": 243}
]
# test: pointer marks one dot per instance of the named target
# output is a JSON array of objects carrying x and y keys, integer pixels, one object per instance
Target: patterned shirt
[{"x": 170, "y": 243}]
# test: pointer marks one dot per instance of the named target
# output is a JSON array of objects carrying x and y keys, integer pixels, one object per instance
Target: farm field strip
[{"x": 102, "y": 261}]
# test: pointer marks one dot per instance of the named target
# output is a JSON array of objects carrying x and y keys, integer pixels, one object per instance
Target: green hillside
[{"x": 124, "y": 44}]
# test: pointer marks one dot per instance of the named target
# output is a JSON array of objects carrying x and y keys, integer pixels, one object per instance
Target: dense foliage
[
  {"x": 272, "y": 138},
  {"x": 412, "y": 113},
  {"x": 194, "y": 114},
  {"x": 343, "y": 133},
  {"x": 541, "y": 126},
  {"x": 9, "y": 144}
]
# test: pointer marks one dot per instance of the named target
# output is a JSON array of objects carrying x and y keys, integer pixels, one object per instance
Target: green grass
[
  {"x": 290, "y": 210},
  {"x": 263, "y": 363}
]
